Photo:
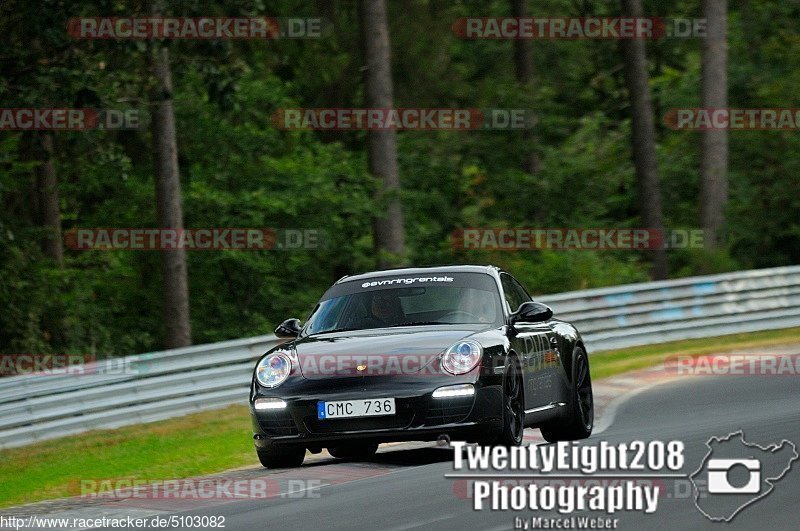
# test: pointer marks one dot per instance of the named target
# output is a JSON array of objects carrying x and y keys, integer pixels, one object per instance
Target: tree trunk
[
  {"x": 178, "y": 331},
  {"x": 643, "y": 136},
  {"x": 48, "y": 201},
  {"x": 714, "y": 162},
  {"x": 523, "y": 69},
  {"x": 382, "y": 144},
  {"x": 334, "y": 93}
]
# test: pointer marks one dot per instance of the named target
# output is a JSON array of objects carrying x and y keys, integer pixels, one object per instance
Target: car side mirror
[
  {"x": 288, "y": 328},
  {"x": 531, "y": 312}
]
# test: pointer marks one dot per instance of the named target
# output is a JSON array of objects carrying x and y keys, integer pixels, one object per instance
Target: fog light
[
  {"x": 262, "y": 404},
  {"x": 452, "y": 391}
]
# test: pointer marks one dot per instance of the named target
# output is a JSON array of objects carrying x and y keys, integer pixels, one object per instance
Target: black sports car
[{"x": 460, "y": 352}]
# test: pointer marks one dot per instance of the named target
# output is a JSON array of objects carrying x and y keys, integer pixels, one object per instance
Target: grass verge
[
  {"x": 200, "y": 443},
  {"x": 213, "y": 441},
  {"x": 609, "y": 363}
]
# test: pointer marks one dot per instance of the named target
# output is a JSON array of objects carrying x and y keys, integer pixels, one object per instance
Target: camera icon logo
[
  {"x": 719, "y": 471},
  {"x": 735, "y": 474}
]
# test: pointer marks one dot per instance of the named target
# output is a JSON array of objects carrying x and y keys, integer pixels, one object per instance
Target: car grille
[
  {"x": 278, "y": 423},
  {"x": 448, "y": 410},
  {"x": 399, "y": 421}
]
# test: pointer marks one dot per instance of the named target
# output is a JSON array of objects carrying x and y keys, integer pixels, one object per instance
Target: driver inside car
[{"x": 386, "y": 309}]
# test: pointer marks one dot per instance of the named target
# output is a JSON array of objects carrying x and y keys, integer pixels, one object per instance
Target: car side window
[
  {"x": 514, "y": 293},
  {"x": 521, "y": 290}
]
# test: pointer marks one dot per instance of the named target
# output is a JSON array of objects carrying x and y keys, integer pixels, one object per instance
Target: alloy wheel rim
[{"x": 514, "y": 404}]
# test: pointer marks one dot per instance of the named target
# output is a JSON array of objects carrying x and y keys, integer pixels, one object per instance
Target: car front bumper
[{"x": 418, "y": 416}]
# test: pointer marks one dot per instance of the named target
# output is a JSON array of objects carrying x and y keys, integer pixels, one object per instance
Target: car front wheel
[
  {"x": 579, "y": 421},
  {"x": 513, "y": 407}
]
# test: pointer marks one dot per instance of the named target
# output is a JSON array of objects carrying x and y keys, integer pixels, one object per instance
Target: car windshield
[{"x": 415, "y": 305}]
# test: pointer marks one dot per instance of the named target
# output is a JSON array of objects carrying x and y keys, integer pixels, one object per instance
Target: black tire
[
  {"x": 513, "y": 407},
  {"x": 281, "y": 457},
  {"x": 580, "y": 420},
  {"x": 353, "y": 451}
]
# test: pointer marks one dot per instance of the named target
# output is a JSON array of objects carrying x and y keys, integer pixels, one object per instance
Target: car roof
[{"x": 487, "y": 269}]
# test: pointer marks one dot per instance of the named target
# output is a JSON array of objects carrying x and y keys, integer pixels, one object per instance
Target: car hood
[{"x": 376, "y": 352}]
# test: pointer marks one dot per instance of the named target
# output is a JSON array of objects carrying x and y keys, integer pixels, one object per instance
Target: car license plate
[{"x": 355, "y": 408}]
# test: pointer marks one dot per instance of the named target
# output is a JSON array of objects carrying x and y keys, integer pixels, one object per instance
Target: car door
[{"x": 532, "y": 344}]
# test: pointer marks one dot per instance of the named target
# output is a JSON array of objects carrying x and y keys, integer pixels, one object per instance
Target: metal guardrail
[
  {"x": 160, "y": 385},
  {"x": 656, "y": 312},
  {"x": 135, "y": 389}
]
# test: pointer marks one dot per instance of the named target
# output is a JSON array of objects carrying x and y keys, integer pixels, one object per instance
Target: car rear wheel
[
  {"x": 281, "y": 457},
  {"x": 353, "y": 451},
  {"x": 580, "y": 421}
]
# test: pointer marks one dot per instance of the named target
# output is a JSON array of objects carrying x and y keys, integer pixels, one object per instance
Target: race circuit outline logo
[{"x": 726, "y": 494}]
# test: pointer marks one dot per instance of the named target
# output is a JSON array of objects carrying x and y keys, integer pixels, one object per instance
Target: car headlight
[
  {"x": 273, "y": 369},
  {"x": 462, "y": 357}
]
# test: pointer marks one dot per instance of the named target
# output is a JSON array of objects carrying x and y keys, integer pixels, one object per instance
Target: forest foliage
[{"x": 238, "y": 170}]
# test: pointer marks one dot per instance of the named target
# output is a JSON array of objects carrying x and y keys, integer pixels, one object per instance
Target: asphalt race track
[{"x": 406, "y": 489}]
